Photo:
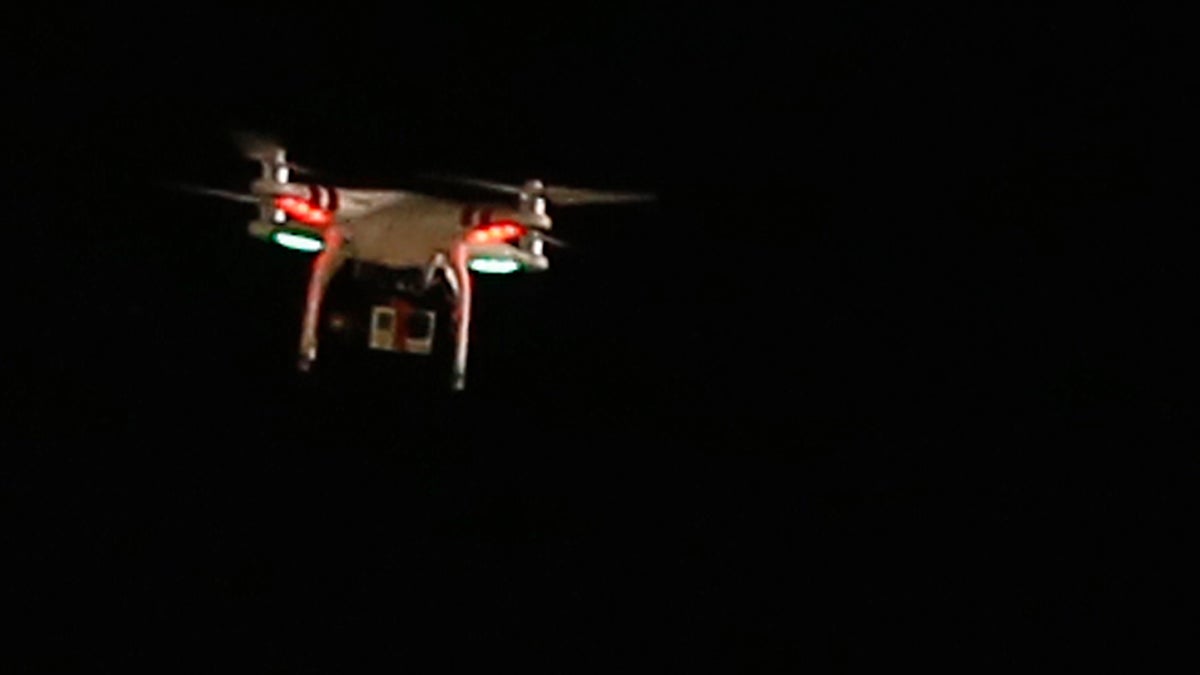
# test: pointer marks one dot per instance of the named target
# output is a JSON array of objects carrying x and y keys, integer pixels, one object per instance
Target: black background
[{"x": 886, "y": 373}]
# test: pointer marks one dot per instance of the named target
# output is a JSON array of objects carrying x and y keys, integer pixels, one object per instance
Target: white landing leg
[
  {"x": 463, "y": 317},
  {"x": 325, "y": 265}
]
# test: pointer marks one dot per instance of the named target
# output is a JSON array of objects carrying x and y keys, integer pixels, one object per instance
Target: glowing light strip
[
  {"x": 495, "y": 232},
  {"x": 494, "y": 266},
  {"x": 302, "y": 210},
  {"x": 298, "y": 242}
]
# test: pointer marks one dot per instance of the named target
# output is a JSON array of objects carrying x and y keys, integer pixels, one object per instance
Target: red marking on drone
[
  {"x": 494, "y": 233},
  {"x": 302, "y": 210}
]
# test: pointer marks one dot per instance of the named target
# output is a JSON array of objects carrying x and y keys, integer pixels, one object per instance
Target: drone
[{"x": 434, "y": 241}]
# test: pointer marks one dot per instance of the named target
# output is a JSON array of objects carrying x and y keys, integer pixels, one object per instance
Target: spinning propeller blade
[
  {"x": 215, "y": 192},
  {"x": 477, "y": 182},
  {"x": 560, "y": 195},
  {"x": 553, "y": 241},
  {"x": 266, "y": 149},
  {"x": 257, "y": 146},
  {"x": 569, "y": 196}
]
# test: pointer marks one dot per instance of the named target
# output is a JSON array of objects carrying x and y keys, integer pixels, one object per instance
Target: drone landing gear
[
  {"x": 459, "y": 279},
  {"x": 463, "y": 317},
  {"x": 324, "y": 267}
]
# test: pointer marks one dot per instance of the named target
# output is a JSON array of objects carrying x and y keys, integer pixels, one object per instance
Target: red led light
[
  {"x": 495, "y": 233},
  {"x": 302, "y": 211}
]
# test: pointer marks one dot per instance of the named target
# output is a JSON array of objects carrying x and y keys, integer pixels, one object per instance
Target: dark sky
[{"x": 883, "y": 371}]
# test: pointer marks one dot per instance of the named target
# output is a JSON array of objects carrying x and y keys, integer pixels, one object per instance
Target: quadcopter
[{"x": 434, "y": 241}]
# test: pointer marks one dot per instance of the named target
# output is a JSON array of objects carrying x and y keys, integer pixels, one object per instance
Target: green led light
[
  {"x": 494, "y": 265},
  {"x": 298, "y": 242}
]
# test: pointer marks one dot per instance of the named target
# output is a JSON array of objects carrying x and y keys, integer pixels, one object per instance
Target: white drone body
[{"x": 442, "y": 238}]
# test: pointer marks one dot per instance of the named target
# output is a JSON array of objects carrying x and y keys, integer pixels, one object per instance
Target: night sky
[{"x": 884, "y": 376}]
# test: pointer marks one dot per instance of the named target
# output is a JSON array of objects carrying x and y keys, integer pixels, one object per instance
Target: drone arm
[{"x": 325, "y": 265}]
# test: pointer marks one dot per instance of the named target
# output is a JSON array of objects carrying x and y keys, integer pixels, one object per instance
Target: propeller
[
  {"x": 560, "y": 195},
  {"x": 214, "y": 192},
  {"x": 553, "y": 241},
  {"x": 267, "y": 150},
  {"x": 256, "y": 146}
]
